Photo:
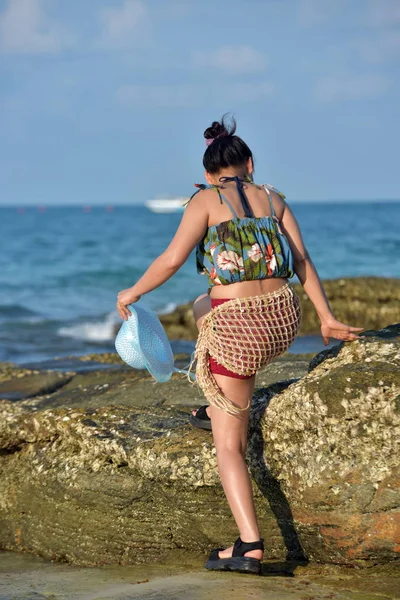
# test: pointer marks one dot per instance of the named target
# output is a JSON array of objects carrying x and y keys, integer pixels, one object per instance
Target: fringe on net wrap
[{"x": 243, "y": 335}]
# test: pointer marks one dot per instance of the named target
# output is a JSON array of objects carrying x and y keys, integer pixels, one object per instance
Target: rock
[
  {"x": 369, "y": 302},
  {"x": 30, "y": 386},
  {"x": 180, "y": 324},
  {"x": 357, "y": 352},
  {"x": 92, "y": 479},
  {"x": 129, "y": 387},
  {"x": 332, "y": 440},
  {"x": 9, "y": 370},
  {"x": 77, "y": 479}
]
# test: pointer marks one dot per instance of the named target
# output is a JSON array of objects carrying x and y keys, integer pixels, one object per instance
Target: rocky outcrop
[
  {"x": 92, "y": 476},
  {"x": 332, "y": 439},
  {"x": 369, "y": 302}
]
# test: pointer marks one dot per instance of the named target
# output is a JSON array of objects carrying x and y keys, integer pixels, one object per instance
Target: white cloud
[
  {"x": 121, "y": 23},
  {"x": 25, "y": 29},
  {"x": 191, "y": 95},
  {"x": 234, "y": 59},
  {"x": 339, "y": 88}
]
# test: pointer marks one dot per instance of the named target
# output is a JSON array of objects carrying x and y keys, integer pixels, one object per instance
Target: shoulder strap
[
  {"x": 203, "y": 186},
  {"x": 270, "y": 188},
  {"x": 273, "y": 189},
  {"x": 270, "y": 200},
  {"x": 225, "y": 199}
]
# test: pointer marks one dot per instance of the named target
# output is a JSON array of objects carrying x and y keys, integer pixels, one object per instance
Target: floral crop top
[{"x": 246, "y": 248}]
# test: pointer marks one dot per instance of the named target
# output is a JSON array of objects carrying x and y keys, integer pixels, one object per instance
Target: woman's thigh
[
  {"x": 230, "y": 431},
  {"x": 201, "y": 306}
]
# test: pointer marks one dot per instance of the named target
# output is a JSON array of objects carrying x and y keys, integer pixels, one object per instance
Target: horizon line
[{"x": 126, "y": 204}]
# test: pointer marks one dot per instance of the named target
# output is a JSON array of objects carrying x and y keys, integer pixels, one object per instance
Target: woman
[{"x": 248, "y": 245}]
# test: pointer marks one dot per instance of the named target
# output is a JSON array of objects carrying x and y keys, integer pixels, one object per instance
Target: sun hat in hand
[{"x": 143, "y": 344}]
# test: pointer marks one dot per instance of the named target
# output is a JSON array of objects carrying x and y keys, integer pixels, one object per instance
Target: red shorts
[{"x": 215, "y": 367}]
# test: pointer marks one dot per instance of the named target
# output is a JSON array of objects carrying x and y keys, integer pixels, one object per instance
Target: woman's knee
[
  {"x": 229, "y": 432},
  {"x": 229, "y": 449}
]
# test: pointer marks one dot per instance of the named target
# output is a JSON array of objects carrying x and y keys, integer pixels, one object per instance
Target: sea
[{"x": 61, "y": 268}]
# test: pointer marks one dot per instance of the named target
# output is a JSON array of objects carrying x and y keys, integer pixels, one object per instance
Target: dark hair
[{"x": 227, "y": 149}]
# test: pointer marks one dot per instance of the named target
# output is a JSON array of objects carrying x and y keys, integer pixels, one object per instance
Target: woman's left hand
[
  {"x": 332, "y": 328},
  {"x": 126, "y": 297}
]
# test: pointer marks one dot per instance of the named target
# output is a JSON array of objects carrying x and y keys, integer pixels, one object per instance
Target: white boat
[{"x": 166, "y": 205}]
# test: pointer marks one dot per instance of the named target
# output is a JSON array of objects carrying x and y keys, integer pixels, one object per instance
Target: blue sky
[{"x": 106, "y": 101}]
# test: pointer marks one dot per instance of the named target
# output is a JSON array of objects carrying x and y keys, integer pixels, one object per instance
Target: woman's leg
[{"x": 230, "y": 440}]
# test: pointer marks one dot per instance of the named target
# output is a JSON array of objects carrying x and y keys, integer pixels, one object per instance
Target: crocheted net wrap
[{"x": 243, "y": 335}]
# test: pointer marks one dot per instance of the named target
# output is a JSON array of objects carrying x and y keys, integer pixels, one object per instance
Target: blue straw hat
[{"x": 143, "y": 344}]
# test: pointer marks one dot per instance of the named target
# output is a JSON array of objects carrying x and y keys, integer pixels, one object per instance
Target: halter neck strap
[{"x": 245, "y": 203}]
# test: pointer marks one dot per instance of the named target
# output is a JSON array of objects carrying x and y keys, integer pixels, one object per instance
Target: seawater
[{"x": 61, "y": 268}]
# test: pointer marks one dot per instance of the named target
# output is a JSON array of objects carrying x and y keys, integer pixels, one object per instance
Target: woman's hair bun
[
  {"x": 224, "y": 128},
  {"x": 224, "y": 148}
]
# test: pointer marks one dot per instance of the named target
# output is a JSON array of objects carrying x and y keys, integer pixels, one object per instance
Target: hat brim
[{"x": 147, "y": 322}]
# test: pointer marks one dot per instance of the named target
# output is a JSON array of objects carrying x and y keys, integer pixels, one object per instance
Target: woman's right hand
[{"x": 332, "y": 328}]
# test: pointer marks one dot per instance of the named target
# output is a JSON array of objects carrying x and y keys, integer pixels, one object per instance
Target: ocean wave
[
  {"x": 168, "y": 308},
  {"x": 93, "y": 331},
  {"x": 18, "y": 311}
]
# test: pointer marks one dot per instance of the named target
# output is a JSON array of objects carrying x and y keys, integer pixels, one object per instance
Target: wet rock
[{"x": 32, "y": 385}]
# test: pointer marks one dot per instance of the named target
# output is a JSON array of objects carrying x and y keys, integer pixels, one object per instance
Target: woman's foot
[
  {"x": 200, "y": 417},
  {"x": 227, "y": 553},
  {"x": 194, "y": 411}
]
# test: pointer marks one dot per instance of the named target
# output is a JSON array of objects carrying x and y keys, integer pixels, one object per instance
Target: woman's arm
[
  {"x": 309, "y": 279},
  {"x": 191, "y": 230}
]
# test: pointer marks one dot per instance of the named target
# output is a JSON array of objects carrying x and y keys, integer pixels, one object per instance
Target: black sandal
[
  {"x": 237, "y": 562},
  {"x": 201, "y": 420}
]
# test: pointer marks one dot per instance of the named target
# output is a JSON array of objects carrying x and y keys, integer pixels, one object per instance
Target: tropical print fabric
[{"x": 243, "y": 249}]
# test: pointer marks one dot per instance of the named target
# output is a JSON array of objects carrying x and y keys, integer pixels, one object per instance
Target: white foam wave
[
  {"x": 168, "y": 308},
  {"x": 95, "y": 331}
]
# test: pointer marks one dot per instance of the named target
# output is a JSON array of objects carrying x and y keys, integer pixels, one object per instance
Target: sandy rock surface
[{"x": 23, "y": 577}]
